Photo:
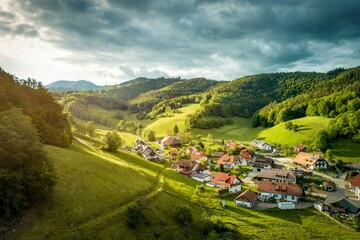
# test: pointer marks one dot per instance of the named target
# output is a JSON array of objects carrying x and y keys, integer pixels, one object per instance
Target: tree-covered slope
[
  {"x": 131, "y": 89},
  {"x": 36, "y": 102},
  {"x": 337, "y": 98},
  {"x": 145, "y": 101}
]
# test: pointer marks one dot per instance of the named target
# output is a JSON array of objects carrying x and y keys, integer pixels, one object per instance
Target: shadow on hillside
[{"x": 294, "y": 216}]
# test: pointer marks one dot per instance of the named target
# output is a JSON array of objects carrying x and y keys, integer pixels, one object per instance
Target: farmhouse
[
  {"x": 261, "y": 164},
  {"x": 276, "y": 175},
  {"x": 225, "y": 180},
  {"x": 342, "y": 205},
  {"x": 173, "y": 154},
  {"x": 228, "y": 161},
  {"x": 355, "y": 185},
  {"x": 247, "y": 199},
  {"x": 246, "y": 156},
  {"x": 170, "y": 142},
  {"x": 188, "y": 167},
  {"x": 300, "y": 148},
  {"x": 149, "y": 154},
  {"x": 197, "y": 156},
  {"x": 279, "y": 191},
  {"x": 190, "y": 150},
  {"x": 231, "y": 144},
  {"x": 262, "y": 145},
  {"x": 310, "y": 161}
]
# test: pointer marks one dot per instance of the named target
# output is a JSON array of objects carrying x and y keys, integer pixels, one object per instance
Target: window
[{"x": 292, "y": 198}]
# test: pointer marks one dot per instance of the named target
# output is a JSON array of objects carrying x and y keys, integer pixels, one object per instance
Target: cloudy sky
[{"x": 110, "y": 41}]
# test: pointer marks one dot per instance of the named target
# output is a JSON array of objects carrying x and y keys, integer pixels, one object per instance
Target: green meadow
[
  {"x": 95, "y": 188},
  {"x": 308, "y": 128}
]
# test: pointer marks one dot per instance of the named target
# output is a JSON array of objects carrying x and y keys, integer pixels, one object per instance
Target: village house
[
  {"x": 202, "y": 177},
  {"x": 355, "y": 185},
  {"x": 231, "y": 144},
  {"x": 246, "y": 199},
  {"x": 189, "y": 150},
  {"x": 279, "y": 191},
  {"x": 173, "y": 154},
  {"x": 262, "y": 145},
  {"x": 277, "y": 175},
  {"x": 300, "y": 148},
  {"x": 246, "y": 156},
  {"x": 226, "y": 180},
  {"x": 197, "y": 156},
  {"x": 140, "y": 145},
  {"x": 335, "y": 203},
  {"x": 170, "y": 142},
  {"x": 228, "y": 161},
  {"x": 188, "y": 167},
  {"x": 149, "y": 154},
  {"x": 310, "y": 161},
  {"x": 261, "y": 164}
]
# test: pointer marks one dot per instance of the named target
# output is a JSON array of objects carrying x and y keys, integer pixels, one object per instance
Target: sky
[{"x": 111, "y": 41}]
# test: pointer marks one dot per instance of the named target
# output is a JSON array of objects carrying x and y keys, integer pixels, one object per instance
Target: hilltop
[{"x": 65, "y": 85}]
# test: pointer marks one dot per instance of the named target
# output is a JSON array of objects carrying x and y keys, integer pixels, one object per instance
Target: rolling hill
[{"x": 65, "y": 85}]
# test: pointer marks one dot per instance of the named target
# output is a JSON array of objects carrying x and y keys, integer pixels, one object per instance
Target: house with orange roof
[
  {"x": 279, "y": 191},
  {"x": 246, "y": 157},
  {"x": 190, "y": 150},
  {"x": 310, "y": 161},
  {"x": 226, "y": 180},
  {"x": 355, "y": 185},
  {"x": 197, "y": 156},
  {"x": 228, "y": 161},
  {"x": 247, "y": 199}
]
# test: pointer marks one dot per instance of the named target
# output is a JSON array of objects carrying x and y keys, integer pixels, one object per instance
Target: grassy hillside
[
  {"x": 95, "y": 189},
  {"x": 160, "y": 125},
  {"x": 240, "y": 130},
  {"x": 308, "y": 128},
  {"x": 346, "y": 150}
]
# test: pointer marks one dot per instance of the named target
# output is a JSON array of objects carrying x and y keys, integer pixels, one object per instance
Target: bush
[
  {"x": 183, "y": 215},
  {"x": 134, "y": 216}
]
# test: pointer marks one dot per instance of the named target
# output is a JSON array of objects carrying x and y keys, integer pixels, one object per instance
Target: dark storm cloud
[
  {"x": 185, "y": 34},
  {"x": 10, "y": 25}
]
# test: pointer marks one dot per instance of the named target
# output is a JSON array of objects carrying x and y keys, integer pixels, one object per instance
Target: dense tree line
[
  {"x": 329, "y": 99},
  {"x": 193, "y": 121},
  {"x": 26, "y": 172},
  {"x": 36, "y": 102}
]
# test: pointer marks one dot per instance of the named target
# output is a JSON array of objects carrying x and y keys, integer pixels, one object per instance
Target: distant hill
[
  {"x": 64, "y": 85},
  {"x": 133, "y": 88}
]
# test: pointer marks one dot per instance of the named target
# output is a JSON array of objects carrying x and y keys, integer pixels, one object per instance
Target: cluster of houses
[{"x": 273, "y": 182}]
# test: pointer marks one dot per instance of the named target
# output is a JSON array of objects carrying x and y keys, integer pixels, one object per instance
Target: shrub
[{"x": 183, "y": 215}]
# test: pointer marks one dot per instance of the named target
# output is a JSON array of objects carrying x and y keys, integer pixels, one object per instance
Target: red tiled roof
[
  {"x": 247, "y": 196},
  {"x": 300, "y": 147},
  {"x": 355, "y": 181},
  {"x": 225, "y": 179},
  {"x": 198, "y": 155},
  {"x": 246, "y": 155},
  {"x": 227, "y": 159},
  {"x": 279, "y": 187}
]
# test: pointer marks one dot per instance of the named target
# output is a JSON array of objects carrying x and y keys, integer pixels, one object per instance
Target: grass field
[
  {"x": 308, "y": 128},
  {"x": 95, "y": 188},
  {"x": 161, "y": 125},
  {"x": 240, "y": 130},
  {"x": 346, "y": 150}
]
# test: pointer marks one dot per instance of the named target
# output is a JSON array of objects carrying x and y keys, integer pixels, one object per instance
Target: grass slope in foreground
[
  {"x": 308, "y": 128},
  {"x": 95, "y": 189}
]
